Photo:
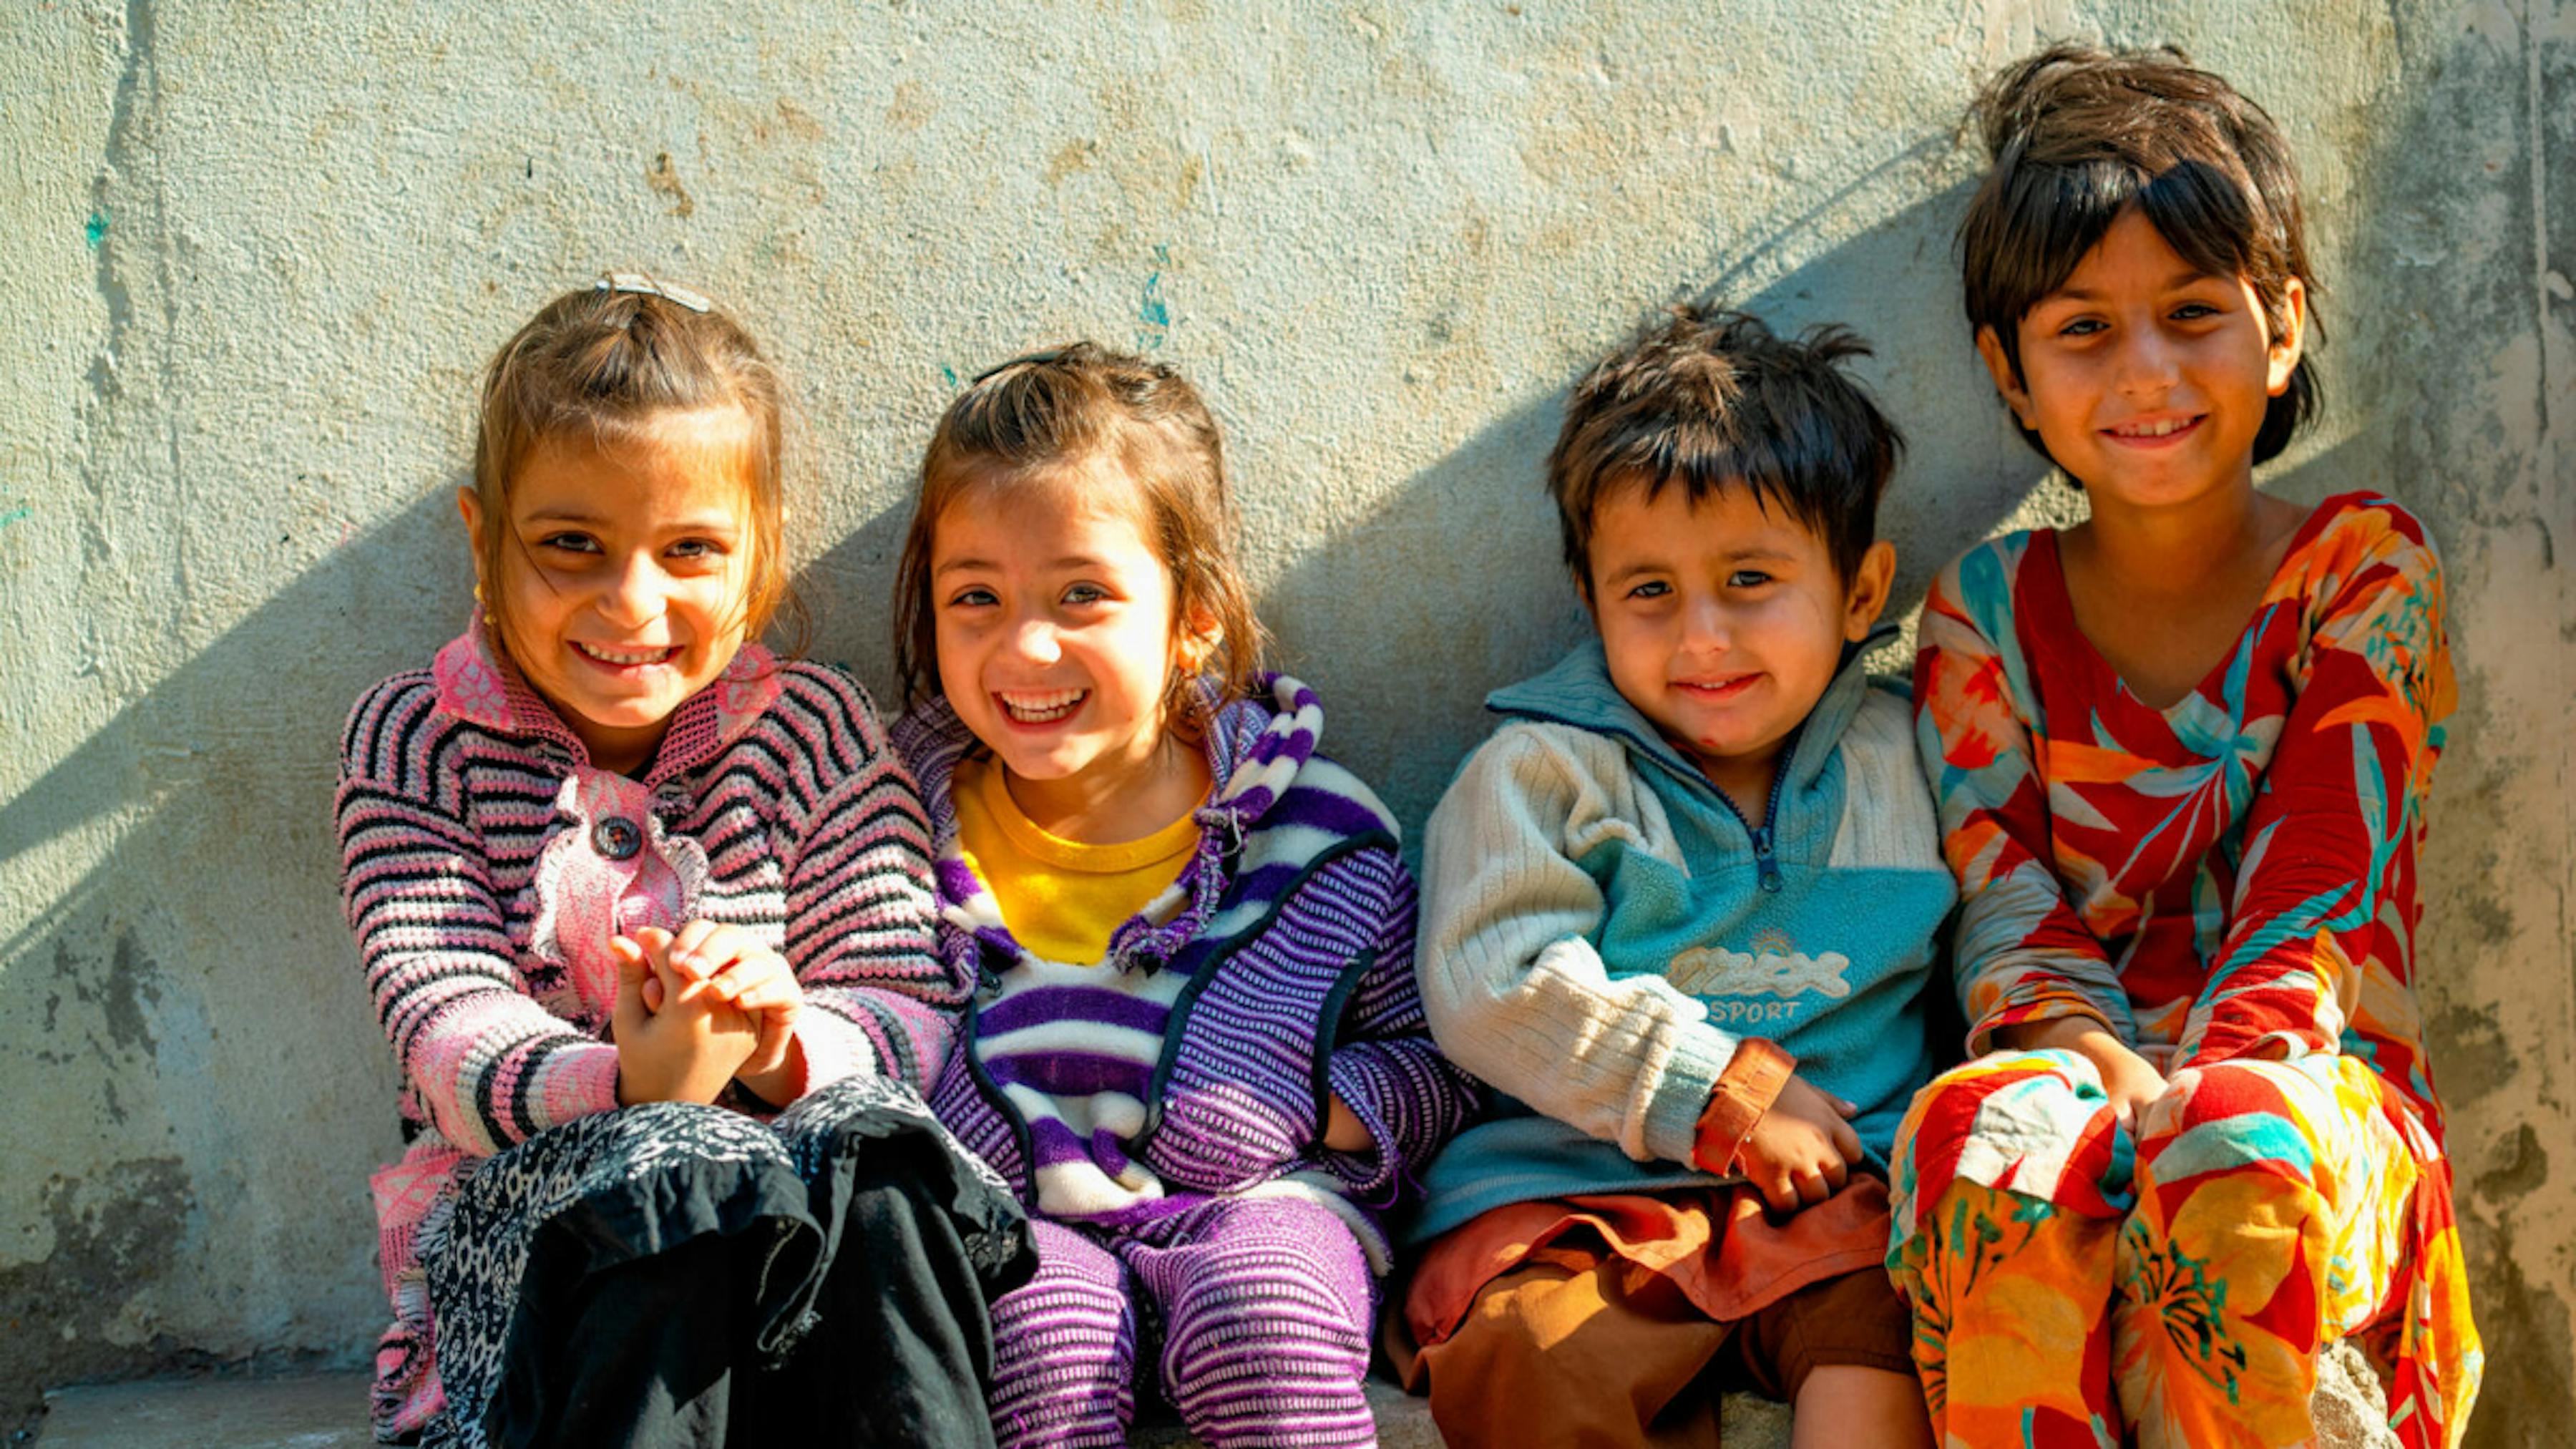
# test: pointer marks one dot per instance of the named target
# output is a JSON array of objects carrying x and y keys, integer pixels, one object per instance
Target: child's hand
[
  {"x": 1343, "y": 1130},
  {"x": 2132, "y": 1082},
  {"x": 686, "y": 1050},
  {"x": 757, "y": 980},
  {"x": 1803, "y": 1149}
]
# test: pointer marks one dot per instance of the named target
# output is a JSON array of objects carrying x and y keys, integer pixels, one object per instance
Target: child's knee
[
  {"x": 1853, "y": 1321},
  {"x": 1528, "y": 1327},
  {"x": 1258, "y": 1255},
  {"x": 1064, "y": 1347},
  {"x": 2229, "y": 1117},
  {"x": 2017, "y": 1083},
  {"x": 1258, "y": 1316},
  {"x": 1071, "y": 1268},
  {"x": 1554, "y": 1354}
]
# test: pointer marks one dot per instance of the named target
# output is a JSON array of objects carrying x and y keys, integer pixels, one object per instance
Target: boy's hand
[
  {"x": 1803, "y": 1149},
  {"x": 687, "y": 1049},
  {"x": 2131, "y": 1081},
  {"x": 1343, "y": 1130}
]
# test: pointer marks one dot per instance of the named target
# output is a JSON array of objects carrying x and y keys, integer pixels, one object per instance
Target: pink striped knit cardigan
[{"x": 776, "y": 806}]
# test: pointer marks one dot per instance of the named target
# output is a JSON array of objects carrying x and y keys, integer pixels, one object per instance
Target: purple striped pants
[{"x": 1264, "y": 1306}]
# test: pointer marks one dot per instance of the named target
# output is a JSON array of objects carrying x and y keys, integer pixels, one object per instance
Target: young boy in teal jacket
[{"x": 1679, "y": 912}]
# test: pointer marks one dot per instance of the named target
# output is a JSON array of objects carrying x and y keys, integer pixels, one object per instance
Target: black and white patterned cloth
[{"x": 645, "y": 1178}]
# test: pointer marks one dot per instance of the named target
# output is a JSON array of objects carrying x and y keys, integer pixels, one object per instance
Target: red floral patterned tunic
[{"x": 2227, "y": 876}]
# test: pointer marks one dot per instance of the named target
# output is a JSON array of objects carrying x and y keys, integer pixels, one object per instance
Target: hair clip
[
  {"x": 1025, "y": 359},
  {"x": 643, "y": 285}
]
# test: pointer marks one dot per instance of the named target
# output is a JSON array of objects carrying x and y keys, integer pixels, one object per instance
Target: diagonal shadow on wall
[
  {"x": 215, "y": 786},
  {"x": 1460, "y": 568}
]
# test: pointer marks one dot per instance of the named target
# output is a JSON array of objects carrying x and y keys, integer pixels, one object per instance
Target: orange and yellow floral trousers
[{"x": 2073, "y": 1287}]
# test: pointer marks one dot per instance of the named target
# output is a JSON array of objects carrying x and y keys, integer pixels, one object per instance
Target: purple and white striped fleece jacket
[{"x": 1276, "y": 970}]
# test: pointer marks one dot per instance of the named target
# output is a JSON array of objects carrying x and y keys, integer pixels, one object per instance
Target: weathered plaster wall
[{"x": 253, "y": 259}]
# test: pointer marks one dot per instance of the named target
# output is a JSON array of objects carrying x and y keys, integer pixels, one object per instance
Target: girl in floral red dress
[{"x": 2181, "y": 752}]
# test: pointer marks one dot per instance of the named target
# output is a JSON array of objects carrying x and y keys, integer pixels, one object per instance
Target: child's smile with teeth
[
  {"x": 1052, "y": 580},
  {"x": 615, "y": 543},
  {"x": 626, "y": 657},
  {"x": 1041, "y": 708},
  {"x": 2159, "y": 428}
]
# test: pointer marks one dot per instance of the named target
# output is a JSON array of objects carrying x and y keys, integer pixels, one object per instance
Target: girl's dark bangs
[
  {"x": 2054, "y": 226},
  {"x": 2203, "y": 216}
]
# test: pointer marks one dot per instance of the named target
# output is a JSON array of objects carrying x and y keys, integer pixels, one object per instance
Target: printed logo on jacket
[{"x": 1774, "y": 968}]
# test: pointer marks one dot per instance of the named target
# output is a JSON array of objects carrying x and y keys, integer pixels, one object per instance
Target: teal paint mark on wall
[
  {"x": 96, "y": 229},
  {"x": 1150, "y": 309},
  {"x": 13, "y": 515}
]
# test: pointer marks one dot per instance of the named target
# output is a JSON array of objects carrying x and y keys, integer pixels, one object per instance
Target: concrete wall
[{"x": 254, "y": 257}]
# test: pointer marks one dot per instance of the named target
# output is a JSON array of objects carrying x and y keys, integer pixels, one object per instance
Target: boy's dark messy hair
[
  {"x": 2079, "y": 135},
  {"x": 1713, "y": 400}
]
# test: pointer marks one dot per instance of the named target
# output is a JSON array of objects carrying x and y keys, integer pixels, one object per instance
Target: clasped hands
[
  {"x": 2132, "y": 1079},
  {"x": 700, "y": 1008},
  {"x": 711, "y": 1005}
]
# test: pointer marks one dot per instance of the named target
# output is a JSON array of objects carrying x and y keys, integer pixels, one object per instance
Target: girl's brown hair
[
  {"x": 598, "y": 366},
  {"x": 1033, "y": 417},
  {"x": 2079, "y": 135}
]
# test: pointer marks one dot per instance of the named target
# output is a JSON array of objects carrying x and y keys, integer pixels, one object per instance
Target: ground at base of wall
[{"x": 328, "y": 1411}]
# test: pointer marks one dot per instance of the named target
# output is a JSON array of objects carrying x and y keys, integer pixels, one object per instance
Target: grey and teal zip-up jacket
[{"x": 1601, "y": 926}]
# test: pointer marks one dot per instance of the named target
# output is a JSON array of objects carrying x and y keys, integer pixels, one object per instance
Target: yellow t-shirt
[{"x": 1062, "y": 899}]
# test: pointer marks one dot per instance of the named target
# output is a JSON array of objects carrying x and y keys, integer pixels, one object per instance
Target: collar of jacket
[
  {"x": 1578, "y": 692},
  {"x": 478, "y": 686},
  {"x": 1255, "y": 746}
]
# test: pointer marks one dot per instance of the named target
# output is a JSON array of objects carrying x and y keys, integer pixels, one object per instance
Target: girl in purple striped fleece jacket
[
  {"x": 1196, "y": 1049},
  {"x": 646, "y": 913}
]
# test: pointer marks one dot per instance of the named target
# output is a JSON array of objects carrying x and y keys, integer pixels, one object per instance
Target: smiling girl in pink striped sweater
[{"x": 646, "y": 914}]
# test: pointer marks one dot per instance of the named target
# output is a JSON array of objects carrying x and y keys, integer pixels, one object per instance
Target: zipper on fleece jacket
[{"x": 1765, "y": 864}]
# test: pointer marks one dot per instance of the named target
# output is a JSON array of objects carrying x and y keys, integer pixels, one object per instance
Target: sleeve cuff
[
  {"x": 2284, "y": 1045},
  {"x": 833, "y": 1050},
  {"x": 580, "y": 1081},
  {"x": 1363, "y": 1090},
  {"x": 1981, "y": 1036},
  {"x": 1744, "y": 1091},
  {"x": 1690, "y": 1072}
]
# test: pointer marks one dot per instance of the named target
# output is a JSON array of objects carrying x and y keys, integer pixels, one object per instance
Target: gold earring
[{"x": 478, "y": 601}]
